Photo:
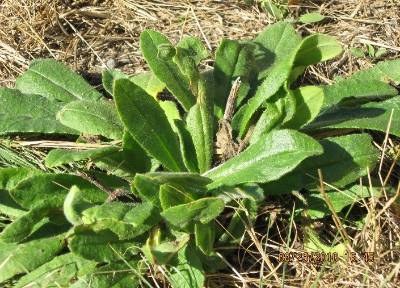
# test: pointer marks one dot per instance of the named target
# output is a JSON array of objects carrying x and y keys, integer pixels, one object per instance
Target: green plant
[{"x": 167, "y": 169}]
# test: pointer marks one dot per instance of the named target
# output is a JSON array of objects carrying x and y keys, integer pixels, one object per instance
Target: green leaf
[
  {"x": 53, "y": 80},
  {"x": 371, "y": 50},
  {"x": 200, "y": 123},
  {"x": 109, "y": 76},
  {"x": 10, "y": 177},
  {"x": 59, "y": 272},
  {"x": 273, "y": 156},
  {"x": 101, "y": 246},
  {"x": 26, "y": 224},
  {"x": 172, "y": 196},
  {"x": 357, "y": 52},
  {"x": 366, "y": 85},
  {"x": 309, "y": 101},
  {"x": 165, "y": 69},
  {"x": 250, "y": 191},
  {"x": 27, "y": 113},
  {"x": 274, "y": 10},
  {"x": 149, "y": 83},
  {"x": 317, "y": 48},
  {"x": 317, "y": 208},
  {"x": 171, "y": 111},
  {"x": 381, "y": 52},
  {"x": 124, "y": 220},
  {"x": 53, "y": 187},
  {"x": 122, "y": 274},
  {"x": 270, "y": 119},
  {"x": 311, "y": 18},
  {"x": 312, "y": 242},
  {"x": 373, "y": 116},
  {"x": 205, "y": 237},
  {"x": 232, "y": 60},
  {"x": 58, "y": 157},
  {"x": 22, "y": 258},
  {"x": 203, "y": 211},
  {"x": 94, "y": 118},
  {"x": 163, "y": 252},
  {"x": 187, "y": 147},
  {"x": 345, "y": 160},
  {"x": 274, "y": 45},
  {"x": 194, "y": 47},
  {"x": 148, "y": 185},
  {"x": 74, "y": 205},
  {"x": 189, "y": 271},
  {"x": 147, "y": 123}
]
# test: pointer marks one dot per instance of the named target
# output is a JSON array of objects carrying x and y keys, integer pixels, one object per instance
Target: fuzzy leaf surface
[
  {"x": 94, "y": 118},
  {"x": 54, "y": 80},
  {"x": 273, "y": 156},
  {"x": 147, "y": 123}
]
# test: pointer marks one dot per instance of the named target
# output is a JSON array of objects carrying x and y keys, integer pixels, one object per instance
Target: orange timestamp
[{"x": 321, "y": 257}]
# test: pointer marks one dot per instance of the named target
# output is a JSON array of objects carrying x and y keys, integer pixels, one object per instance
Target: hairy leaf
[
  {"x": 165, "y": 69},
  {"x": 273, "y": 156},
  {"x": 203, "y": 210},
  {"x": 27, "y": 113},
  {"x": 344, "y": 160},
  {"x": 53, "y": 80},
  {"x": 94, "y": 118},
  {"x": 147, "y": 123}
]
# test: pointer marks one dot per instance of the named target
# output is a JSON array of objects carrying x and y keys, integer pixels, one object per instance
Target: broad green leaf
[
  {"x": 317, "y": 208},
  {"x": 194, "y": 47},
  {"x": 58, "y": 157},
  {"x": 147, "y": 123},
  {"x": 273, "y": 156},
  {"x": 171, "y": 111},
  {"x": 22, "y": 258},
  {"x": 172, "y": 196},
  {"x": 26, "y": 224},
  {"x": 125, "y": 162},
  {"x": 250, "y": 191},
  {"x": 189, "y": 271},
  {"x": 94, "y": 118},
  {"x": 270, "y": 119},
  {"x": 27, "y": 113},
  {"x": 345, "y": 159},
  {"x": 274, "y": 45},
  {"x": 188, "y": 150},
  {"x": 54, "y": 80},
  {"x": 109, "y": 76},
  {"x": 101, "y": 246},
  {"x": 9, "y": 178},
  {"x": 205, "y": 237},
  {"x": 124, "y": 220},
  {"x": 277, "y": 48},
  {"x": 59, "y": 272},
  {"x": 147, "y": 186},
  {"x": 149, "y": 83},
  {"x": 371, "y": 83},
  {"x": 309, "y": 101},
  {"x": 233, "y": 59},
  {"x": 200, "y": 123},
  {"x": 53, "y": 187},
  {"x": 74, "y": 205},
  {"x": 122, "y": 274},
  {"x": 162, "y": 252},
  {"x": 373, "y": 116},
  {"x": 317, "y": 48},
  {"x": 203, "y": 210},
  {"x": 274, "y": 10},
  {"x": 311, "y": 18},
  {"x": 165, "y": 69}
]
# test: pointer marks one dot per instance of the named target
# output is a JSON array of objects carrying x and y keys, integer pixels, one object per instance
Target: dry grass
[{"x": 89, "y": 35}]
